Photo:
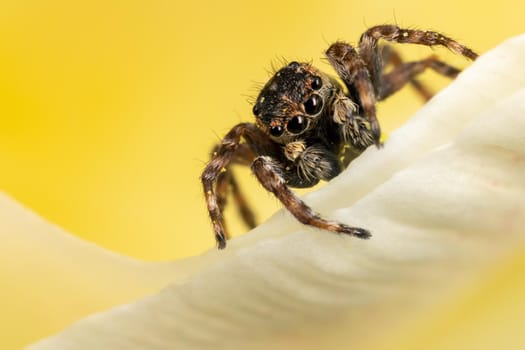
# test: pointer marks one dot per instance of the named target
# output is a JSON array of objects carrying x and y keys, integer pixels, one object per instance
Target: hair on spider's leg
[
  {"x": 354, "y": 73},
  {"x": 269, "y": 174}
]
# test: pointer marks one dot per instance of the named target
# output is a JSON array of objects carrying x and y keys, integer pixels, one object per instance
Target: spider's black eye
[
  {"x": 313, "y": 105},
  {"x": 276, "y": 131},
  {"x": 317, "y": 83},
  {"x": 293, "y": 65},
  {"x": 255, "y": 109},
  {"x": 296, "y": 124}
]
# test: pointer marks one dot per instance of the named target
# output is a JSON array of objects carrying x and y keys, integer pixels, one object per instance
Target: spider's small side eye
[
  {"x": 317, "y": 83},
  {"x": 255, "y": 109},
  {"x": 313, "y": 105},
  {"x": 276, "y": 131},
  {"x": 293, "y": 65},
  {"x": 296, "y": 124}
]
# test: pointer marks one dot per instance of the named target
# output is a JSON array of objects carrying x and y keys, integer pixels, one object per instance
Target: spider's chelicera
[{"x": 309, "y": 128}]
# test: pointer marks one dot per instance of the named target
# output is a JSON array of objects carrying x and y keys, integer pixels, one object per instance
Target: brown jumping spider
[{"x": 309, "y": 128}]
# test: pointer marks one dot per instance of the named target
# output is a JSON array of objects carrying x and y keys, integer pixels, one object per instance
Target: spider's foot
[
  {"x": 375, "y": 129},
  {"x": 356, "y": 231},
  {"x": 221, "y": 241}
]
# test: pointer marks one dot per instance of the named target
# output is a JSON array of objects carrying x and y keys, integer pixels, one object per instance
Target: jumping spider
[{"x": 308, "y": 128}]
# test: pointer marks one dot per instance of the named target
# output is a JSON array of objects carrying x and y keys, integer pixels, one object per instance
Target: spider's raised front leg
[
  {"x": 270, "y": 174},
  {"x": 215, "y": 176}
]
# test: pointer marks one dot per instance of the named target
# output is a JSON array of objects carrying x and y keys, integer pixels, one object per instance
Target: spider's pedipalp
[{"x": 354, "y": 73}]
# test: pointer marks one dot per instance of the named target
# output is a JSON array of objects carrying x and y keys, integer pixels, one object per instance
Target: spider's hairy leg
[
  {"x": 222, "y": 157},
  {"x": 243, "y": 156},
  {"x": 269, "y": 174},
  {"x": 225, "y": 182},
  {"x": 405, "y": 72},
  {"x": 393, "y": 33},
  {"x": 354, "y": 73},
  {"x": 247, "y": 215},
  {"x": 390, "y": 56}
]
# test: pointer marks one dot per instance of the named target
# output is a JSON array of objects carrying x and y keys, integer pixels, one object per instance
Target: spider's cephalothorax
[{"x": 308, "y": 128}]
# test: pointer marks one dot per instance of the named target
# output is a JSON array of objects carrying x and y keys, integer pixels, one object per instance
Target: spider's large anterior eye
[
  {"x": 313, "y": 105},
  {"x": 317, "y": 83},
  {"x": 276, "y": 131},
  {"x": 296, "y": 124}
]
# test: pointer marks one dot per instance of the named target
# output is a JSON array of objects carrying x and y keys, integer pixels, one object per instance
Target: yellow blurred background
[{"x": 108, "y": 109}]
